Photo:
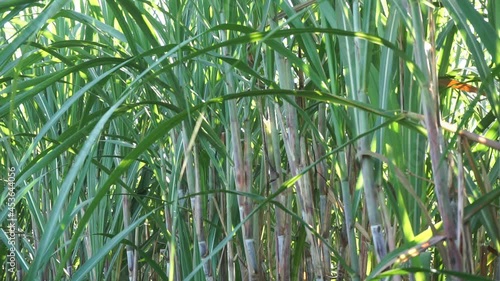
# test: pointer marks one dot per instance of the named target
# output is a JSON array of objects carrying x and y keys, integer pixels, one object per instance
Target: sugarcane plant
[{"x": 239, "y": 140}]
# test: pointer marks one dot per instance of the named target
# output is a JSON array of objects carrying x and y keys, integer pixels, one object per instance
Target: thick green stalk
[
  {"x": 230, "y": 256},
  {"x": 241, "y": 174},
  {"x": 60, "y": 79},
  {"x": 347, "y": 172},
  {"x": 172, "y": 211},
  {"x": 297, "y": 159},
  {"x": 126, "y": 223},
  {"x": 339, "y": 134},
  {"x": 282, "y": 234},
  {"x": 126, "y": 209},
  {"x": 325, "y": 208},
  {"x": 194, "y": 186},
  {"x": 304, "y": 191},
  {"x": 425, "y": 59},
  {"x": 297, "y": 154},
  {"x": 198, "y": 213},
  {"x": 355, "y": 60}
]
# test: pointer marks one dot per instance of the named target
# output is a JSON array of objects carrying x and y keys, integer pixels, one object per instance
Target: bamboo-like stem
[
  {"x": 283, "y": 233},
  {"x": 198, "y": 218},
  {"x": 135, "y": 272},
  {"x": 74, "y": 172},
  {"x": 224, "y": 210},
  {"x": 164, "y": 196},
  {"x": 297, "y": 154},
  {"x": 325, "y": 209},
  {"x": 429, "y": 88},
  {"x": 344, "y": 175},
  {"x": 304, "y": 191},
  {"x": 240, "y": 173},
  {"x": 227, "y": 203},
  {"x": 357, "y": 89},
  {"x": 349, "y": 172},
  {"x": 297, "y": 159},
  {"x": 194, "y": 185},
  {"x": 283, "y": 228},
  {"x": 126, "y": 222},
  {"x": 171, "y": 217}
]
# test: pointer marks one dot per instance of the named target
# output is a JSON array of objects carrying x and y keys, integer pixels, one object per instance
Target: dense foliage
[{"x": 249, "y": 140}]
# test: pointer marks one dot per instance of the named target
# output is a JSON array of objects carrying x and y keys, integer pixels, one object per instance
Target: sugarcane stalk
[
  {"x": 347, "y": 172},
  {"x": 325, "y": 208},
  {"x": 198, "y": 218},
  {"x": 297, "y": 159},
  {"x": 241, "y": 174},
  {"x": 425, "y": 60},
  {"x": 356, "y": 82},
  {"x": 282, "y": 233}
]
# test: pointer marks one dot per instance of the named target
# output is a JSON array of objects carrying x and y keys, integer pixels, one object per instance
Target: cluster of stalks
[{"x": 237, "y": 140}]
